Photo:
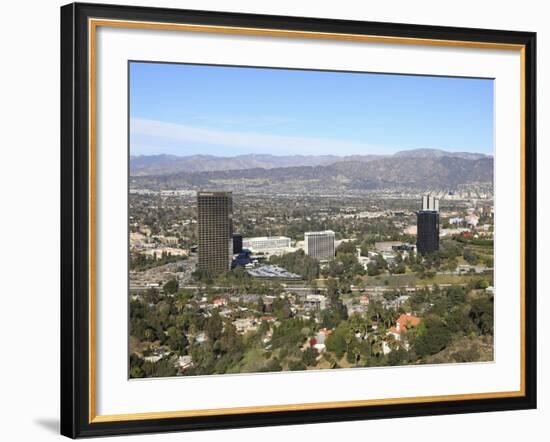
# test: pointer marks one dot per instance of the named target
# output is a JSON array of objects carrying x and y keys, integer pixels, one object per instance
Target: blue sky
[{"x": 225, "y": 111}]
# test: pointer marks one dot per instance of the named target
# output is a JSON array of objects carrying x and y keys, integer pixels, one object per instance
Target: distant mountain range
[
  {"x": 437, "y": 153},
  {"x": 169, "y": 164},
  {"x": 419, "y": 169},
  {"x": 143, "y": 165}
]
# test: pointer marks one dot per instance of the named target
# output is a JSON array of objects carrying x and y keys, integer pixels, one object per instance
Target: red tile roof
[{"x": 404, "y": 321}]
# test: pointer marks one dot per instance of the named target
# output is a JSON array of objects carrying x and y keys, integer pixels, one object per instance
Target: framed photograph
[{"x": 274, "y": 220}]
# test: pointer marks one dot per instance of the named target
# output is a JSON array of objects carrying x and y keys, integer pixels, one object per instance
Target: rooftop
[
  {"x": 206, "y": 193},
  {"x": 404, "y": 321},
  {"x": 272, "y": 271},
  {"x": 264, "y": 238},
  {"x": 324, "y": 232}
]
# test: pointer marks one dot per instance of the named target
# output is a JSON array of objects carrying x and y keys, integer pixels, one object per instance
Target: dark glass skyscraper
[
  {"x": 237, "y": 243},
  {"x": 215, "y": 222},
  {"x": 427, "y": 226}
]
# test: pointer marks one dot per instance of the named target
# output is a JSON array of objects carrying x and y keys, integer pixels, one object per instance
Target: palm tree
[
  {"x": 372, "y": 339},
  {"x": 392, "y": 343},
  {"x": 388, "y": 317},
  {"x": 376, "y": 309},
  {"x": 377, "y": 347},
  {"x": 358, "y": 324}
]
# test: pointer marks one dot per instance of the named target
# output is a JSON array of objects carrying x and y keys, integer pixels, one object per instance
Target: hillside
[
  {"x": 395, "y": 171},
  {"x": 143, "y": 165}
]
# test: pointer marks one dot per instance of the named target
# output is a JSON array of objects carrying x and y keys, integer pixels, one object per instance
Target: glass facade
[
  {"x": 215, "y": 225},
  {"x": 427, "y": 236}
]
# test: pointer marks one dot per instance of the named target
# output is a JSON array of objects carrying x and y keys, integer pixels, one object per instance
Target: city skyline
[
  {"x": 186, "y": 110},
  {"x": 309, "y": 262}
]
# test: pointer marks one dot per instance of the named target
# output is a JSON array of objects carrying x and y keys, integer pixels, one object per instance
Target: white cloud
[
  {"x": 162, "y": 132},
  {"x": 240, "y": 120}
]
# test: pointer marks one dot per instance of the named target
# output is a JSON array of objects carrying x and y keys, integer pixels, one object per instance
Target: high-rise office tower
[
  {"x": 237, "y": 243},
  {"x": 215, "y": 222},
  {"x": 427, "y": 222},
  {"x": 320, "y": 245}
]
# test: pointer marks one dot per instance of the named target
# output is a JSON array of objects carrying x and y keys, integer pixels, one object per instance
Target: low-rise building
[
  {"x": 218, "y": 302},
  {"x": 184, "y": 362},
  {"x": 315, "y": 302},
  {"x": 244, "y": 325},
  {"x": 359, "y": 309},
  {"x": 272, "y": 272},
  {"x": 404, "y": 322},
  {"x": 157, "y": 253},
  {"x": 387, "y": 246},
  {"x": 272, "y": 245},
  {"x": 320, "y": 339}
]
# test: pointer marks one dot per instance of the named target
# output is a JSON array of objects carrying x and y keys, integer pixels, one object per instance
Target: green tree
[
  {"x": 456, "y": 295},
  {"x": 171, "y": 287},
  {"x": 432, "y": 336},
  {"x": 481, "y": 313},
  {"x": 298, "y": 262},
  {"x": 470, "y": 256},
  {"x": 151, "y": 296},
  {"x": 177, "y": 340},
  {"x": 296, "y": 365},
  {"x": 372, "y": 269},
  {"x": 482, "y": 284},
  {"x": 161, "y": 369},
  {"x": 347, "y": 247},
  {"x": 136, "y": 372},
  {"x": 309, "y": 357},
  {"x": 339, "y": 340},
  {"x": 213, "y": 326}
]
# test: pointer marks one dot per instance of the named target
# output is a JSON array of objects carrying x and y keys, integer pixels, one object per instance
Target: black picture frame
[{"x": 75, "y": 220}]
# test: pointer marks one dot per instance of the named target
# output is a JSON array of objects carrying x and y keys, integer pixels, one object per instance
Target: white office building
[
  {"x": 320, "y": 245},
  {"x": 430, "y": 203},
  {"x": 267, "y": 244}
]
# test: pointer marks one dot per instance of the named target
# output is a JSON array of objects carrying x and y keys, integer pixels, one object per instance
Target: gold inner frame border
[{"x": 93, "y": 24}]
